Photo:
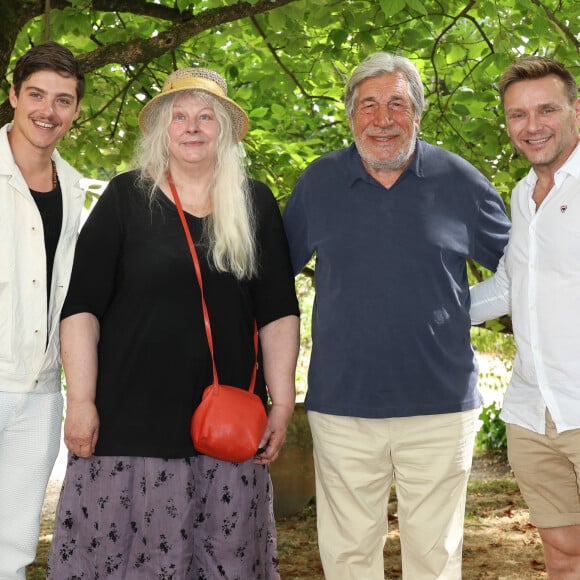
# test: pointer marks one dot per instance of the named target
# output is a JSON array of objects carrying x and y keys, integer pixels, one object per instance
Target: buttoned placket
[
  {"x": 533, "y": 281},
  {"x": 37, "y": 286},
  {"x": 533, "y": 251}
]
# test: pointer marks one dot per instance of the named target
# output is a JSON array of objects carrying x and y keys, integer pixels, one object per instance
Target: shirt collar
[
  {"x": 358, "y": 170},
  {"x": 570, "y": 168}
]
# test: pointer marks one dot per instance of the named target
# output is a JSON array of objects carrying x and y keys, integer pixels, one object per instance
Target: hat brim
[{"x": 240, "y": 120}]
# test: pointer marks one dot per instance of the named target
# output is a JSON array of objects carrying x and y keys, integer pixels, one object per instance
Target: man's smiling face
[
  {"x": 541, "y": 121},
  {"x": 384, "y": 123},
  {"x": 45, "y": 108}
]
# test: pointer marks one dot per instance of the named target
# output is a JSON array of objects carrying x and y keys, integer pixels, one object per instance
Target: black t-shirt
[
  {"x": 134, "y": 272},
  {"x": 49, "y": 206}
]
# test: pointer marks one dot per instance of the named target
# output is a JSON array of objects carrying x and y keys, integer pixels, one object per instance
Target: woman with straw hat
[{"x": 138, "y": 501}]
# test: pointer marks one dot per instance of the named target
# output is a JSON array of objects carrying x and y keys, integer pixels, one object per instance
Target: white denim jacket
[{"x": 29, "y": 361}]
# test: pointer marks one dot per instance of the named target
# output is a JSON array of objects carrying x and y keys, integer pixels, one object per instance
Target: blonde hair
[
  {"x": 229, "y": 229},
  {"x": 528, "y": 68}
]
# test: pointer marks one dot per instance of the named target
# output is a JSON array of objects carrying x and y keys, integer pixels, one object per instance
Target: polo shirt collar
[{"x": 359, "y": 172}]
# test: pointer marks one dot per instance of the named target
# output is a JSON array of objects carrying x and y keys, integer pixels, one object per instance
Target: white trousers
[
  {"x": 356, "y": 462},
  {"x": 30, "y": 427}
]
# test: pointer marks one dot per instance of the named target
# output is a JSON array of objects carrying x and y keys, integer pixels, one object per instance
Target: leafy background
[{"x": 286, "y": 62}]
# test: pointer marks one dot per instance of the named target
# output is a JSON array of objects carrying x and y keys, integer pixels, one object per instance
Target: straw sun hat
[{"x": 198, "y": 79}]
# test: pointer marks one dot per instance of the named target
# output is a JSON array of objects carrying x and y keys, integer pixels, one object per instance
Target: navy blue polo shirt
[{"x": 390, "y": 323}]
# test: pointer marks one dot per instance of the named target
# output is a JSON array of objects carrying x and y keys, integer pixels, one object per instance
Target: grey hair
[
  {"x": 229, "y": 229},
  {"x": 378, "y": 64}
]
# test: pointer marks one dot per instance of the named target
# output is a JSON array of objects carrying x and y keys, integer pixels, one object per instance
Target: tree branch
[
  {"x": 286, "y": 70},
  {"x": 570, "y": 36},
  {"x": 144, "y": 51},
  {"x": 135, "y": 51}
]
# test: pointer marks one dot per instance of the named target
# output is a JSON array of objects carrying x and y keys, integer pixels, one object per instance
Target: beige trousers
[{"x": 428, "y": 458}]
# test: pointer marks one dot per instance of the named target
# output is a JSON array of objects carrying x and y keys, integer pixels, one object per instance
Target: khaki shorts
[{"x": 547, "y": 469}]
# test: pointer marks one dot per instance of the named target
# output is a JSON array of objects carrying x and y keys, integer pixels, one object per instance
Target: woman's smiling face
[{"x": 193, "y": 131}]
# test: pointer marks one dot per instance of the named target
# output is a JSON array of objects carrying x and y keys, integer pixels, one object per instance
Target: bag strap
[{"x": 200, "y": 282}]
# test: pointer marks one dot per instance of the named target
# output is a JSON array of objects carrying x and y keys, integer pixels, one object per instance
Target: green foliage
[
  {"x": 496, "y": 351},
  {"x": 287, "y": 62},
  {"x": 493, "y": 341},
  {"x": 492, "y": 434},
  {"x": 305, "y": 293}
]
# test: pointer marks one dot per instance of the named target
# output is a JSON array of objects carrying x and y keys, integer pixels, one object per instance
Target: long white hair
[{"x": 229, "y": 230}]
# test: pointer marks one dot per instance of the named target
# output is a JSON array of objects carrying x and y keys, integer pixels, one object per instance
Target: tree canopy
[{"x": 286, "y": 62}]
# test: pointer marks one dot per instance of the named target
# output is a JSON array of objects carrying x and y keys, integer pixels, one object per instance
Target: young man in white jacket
[{"x": 40, "y": 205}]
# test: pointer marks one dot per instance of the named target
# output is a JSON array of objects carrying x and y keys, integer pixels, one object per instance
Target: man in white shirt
[
  {"x": 40, "y": 206},
  {"x": 538, "y": 280}
]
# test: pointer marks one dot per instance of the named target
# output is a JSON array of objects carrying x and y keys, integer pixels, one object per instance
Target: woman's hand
[
  {"x": 81, "y": 428},
  {"x": 79, "y": 336},
  {"x": 279, "y": 341},
  {"x": 275, "y": 433}
]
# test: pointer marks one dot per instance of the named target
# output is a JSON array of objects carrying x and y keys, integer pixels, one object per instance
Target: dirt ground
[{"x": 499, "y": 543}]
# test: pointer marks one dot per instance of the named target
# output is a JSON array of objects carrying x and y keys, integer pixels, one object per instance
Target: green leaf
[
  {"x": 460, "y": 110},
  {"x": 277, "y": 20},
  {"x": 417, "y": 6},
  {"x": 259, "y": 112},
  {"x": 392, "y": 7}
]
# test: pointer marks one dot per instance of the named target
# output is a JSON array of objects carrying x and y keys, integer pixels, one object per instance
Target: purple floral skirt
[{"x": 159, "y": 519}]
